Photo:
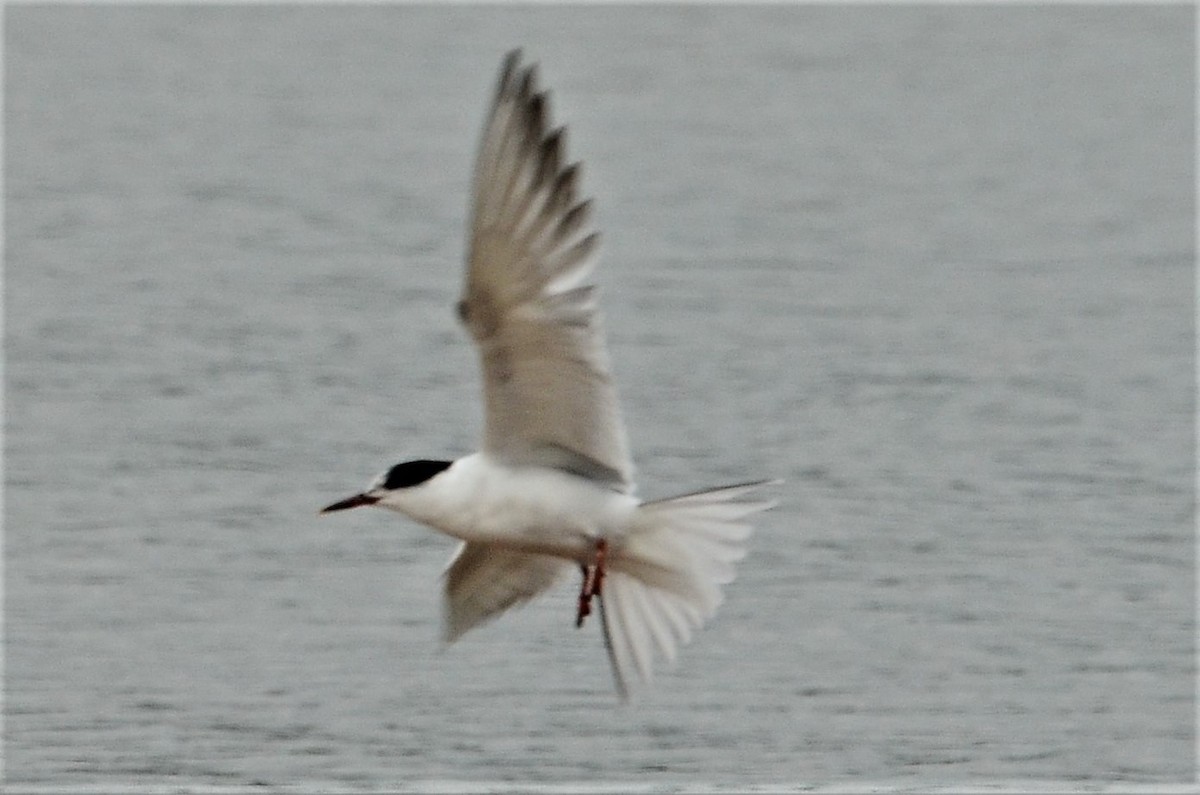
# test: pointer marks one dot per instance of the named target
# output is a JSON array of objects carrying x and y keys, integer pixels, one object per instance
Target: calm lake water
[{"x": 933, "y": 266}]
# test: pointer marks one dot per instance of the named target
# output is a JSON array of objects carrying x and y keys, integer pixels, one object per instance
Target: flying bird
[{"x": 552, "y": 488}]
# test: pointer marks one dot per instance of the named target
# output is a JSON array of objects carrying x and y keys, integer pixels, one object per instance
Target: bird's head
[{"x": 403, "y": 478}]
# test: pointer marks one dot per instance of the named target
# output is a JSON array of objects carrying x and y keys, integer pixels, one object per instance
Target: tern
[{"x": 552, "y": 488}]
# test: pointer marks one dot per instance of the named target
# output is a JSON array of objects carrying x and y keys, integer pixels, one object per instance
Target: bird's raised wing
[
  {"x": 482, "y": 581},
  {"x": 549, "y": 396}
]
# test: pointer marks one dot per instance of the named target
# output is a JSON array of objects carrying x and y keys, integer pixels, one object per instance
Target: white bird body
[
  {"x": 528, "y": 509},
  {"x": 552, "y": 488}
]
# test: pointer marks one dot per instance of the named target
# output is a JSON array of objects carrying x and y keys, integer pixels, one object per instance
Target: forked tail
[{"x": 665, "y": 580}]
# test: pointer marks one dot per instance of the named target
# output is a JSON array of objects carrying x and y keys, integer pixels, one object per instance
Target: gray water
[{"x": 933, "y": 266}]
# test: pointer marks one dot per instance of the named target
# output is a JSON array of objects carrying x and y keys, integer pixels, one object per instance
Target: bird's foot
[
  {"x": 585, "y": 597},
  {"x": 593, "y": 580}
]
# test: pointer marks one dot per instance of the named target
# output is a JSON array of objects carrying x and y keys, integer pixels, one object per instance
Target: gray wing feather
[
  {"x": 483, "y": 580},
  {"x": 549, "y": 396}
]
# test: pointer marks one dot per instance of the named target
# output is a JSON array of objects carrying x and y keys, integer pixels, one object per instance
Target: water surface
[{"x": 931, "y": 265}]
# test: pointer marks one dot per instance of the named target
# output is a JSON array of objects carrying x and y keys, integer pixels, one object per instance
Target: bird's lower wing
[{"x": 483, "y": 580}]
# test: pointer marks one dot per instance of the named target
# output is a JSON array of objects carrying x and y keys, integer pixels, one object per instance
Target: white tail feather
[{"x": 665, "y": 580}]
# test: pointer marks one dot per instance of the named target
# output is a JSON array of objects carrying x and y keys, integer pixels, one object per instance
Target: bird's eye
[{"x": 412, "y": 473}]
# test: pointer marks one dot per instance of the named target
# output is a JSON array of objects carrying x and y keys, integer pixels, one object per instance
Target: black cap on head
[{"x": 413, "y": 473}]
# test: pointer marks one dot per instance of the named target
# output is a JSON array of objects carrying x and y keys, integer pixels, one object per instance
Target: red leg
[
  {"x": 601, "y": 553},
  {"x": 593, "y": 579},
  {"x": 585, "y": 596}
]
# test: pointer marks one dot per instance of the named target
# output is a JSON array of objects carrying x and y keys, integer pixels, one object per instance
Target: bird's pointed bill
[{"x": 351, "y": 502}]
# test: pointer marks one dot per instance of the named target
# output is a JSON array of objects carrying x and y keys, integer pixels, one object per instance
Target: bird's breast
[{"x": 539, "y": 510}]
